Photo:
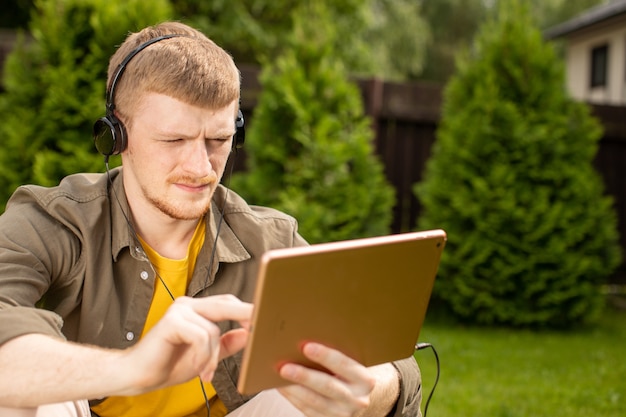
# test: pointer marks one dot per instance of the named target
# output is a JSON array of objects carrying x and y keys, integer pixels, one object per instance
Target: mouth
[{"x": 193, "y": 187}]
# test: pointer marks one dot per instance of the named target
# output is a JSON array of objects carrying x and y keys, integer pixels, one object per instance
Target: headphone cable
[
  {"x": 211, "y": 259},
  {"x": 421, "y": 346}
]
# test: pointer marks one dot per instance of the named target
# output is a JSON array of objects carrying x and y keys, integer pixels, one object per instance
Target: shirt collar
[{"x": 229, "y": 247}]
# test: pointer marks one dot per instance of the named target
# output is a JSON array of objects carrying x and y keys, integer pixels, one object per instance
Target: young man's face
[{"x": 176, "y": 155}]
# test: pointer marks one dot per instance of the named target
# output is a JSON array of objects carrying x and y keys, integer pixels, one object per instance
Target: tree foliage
[
  {"x": 531, "y": 235},
  {"x": 55, "y": 86},
  {"x": 386, "y": 38},
  {"x": 454, "y": 23},
  {"x": 548, "y": 13},
  {"x": 310, "y": 150}
]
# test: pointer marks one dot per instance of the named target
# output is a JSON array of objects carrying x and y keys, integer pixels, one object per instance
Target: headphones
[{"x": 109, "y": 133}]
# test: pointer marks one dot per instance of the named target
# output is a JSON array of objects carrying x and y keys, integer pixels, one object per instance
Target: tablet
[{"x": 365, "y": 297}]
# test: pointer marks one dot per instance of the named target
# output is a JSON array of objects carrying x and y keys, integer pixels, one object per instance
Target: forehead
[
  {"x": 163, "y": 112},
  {"x": 150, "y": 102}
]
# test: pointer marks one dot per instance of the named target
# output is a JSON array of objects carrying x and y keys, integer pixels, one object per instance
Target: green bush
[
  {"x": 55, "y": 85},
  {"x": 531, "y": 237},
  {"x": 310, "y": 150}
]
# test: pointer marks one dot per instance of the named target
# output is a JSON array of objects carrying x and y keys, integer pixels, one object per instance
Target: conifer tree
[
  {"x": 55, "y": 84},
  {"x": 531, "y": 235},
  {"x": 310, "y": 146}
]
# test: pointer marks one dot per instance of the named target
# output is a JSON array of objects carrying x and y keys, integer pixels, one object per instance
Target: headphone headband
[{"x": 110, "y": 106}]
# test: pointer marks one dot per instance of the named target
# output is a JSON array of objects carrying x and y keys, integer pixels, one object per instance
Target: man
[{"x": 131, "y": 289}]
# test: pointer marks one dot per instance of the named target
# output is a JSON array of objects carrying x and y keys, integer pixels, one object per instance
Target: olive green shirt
[{"x": 71, "y": 267}]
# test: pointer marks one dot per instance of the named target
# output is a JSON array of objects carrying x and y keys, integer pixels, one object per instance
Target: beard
[{"x": 183, "y": 209}]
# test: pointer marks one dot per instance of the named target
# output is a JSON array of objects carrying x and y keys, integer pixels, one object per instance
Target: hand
[
  {"x": 187, "y": 343},
  {"x": 345, "y": 392}
]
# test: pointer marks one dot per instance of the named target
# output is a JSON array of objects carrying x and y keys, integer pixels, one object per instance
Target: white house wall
[{"x": 580, "y": 45}]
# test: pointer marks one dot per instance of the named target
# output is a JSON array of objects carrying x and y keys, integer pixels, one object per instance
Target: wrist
[
  {"x": 385, "y": 395},
  {"x": 122, "y": 371}
]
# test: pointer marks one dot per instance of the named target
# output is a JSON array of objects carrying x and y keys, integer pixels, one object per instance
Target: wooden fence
[{"x": 405, "y": 119}]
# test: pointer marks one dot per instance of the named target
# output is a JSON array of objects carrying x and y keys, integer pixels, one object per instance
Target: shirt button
[
  {"x": 144, "y": 275},
  {"x": 130, "y": 336}
]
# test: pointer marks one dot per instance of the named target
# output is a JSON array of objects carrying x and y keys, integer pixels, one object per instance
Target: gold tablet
[{"x": 365, "y": 297}]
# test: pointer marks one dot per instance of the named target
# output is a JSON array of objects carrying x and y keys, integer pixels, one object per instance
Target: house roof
[{"x": 590, "y": 17}]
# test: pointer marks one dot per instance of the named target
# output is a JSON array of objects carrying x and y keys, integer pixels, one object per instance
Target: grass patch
[{"x": 487, "y": 372}]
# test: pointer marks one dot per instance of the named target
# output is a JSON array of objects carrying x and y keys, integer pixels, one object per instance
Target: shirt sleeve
[
  {"x": 29, "y": 241},
  {"x": 410, "y": 398},
  {"x": 17, "y": 321}
]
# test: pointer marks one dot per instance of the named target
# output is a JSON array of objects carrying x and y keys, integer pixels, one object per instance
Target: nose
[{"x": 196, "y": 159}]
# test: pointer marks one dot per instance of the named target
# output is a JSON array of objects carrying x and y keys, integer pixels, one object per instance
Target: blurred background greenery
[{"x": 393, "y": 39}]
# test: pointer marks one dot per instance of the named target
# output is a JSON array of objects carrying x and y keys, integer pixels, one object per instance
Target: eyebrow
[
  {"x": 224, "y": 133},
  {"x": 178, "y": 134}
]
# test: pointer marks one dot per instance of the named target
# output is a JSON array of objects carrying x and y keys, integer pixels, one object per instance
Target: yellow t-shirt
[{"x": 183, "y": 400}]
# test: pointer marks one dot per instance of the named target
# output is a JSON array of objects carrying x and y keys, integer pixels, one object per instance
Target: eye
[
  {"x": 170, "y": 140},
  {"x": 219, "y": 140}
]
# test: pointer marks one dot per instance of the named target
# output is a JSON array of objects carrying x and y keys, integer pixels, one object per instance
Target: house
[{"x": 595, "y": 45}]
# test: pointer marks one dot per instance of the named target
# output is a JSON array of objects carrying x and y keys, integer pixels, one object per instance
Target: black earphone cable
[
  {"x": 212, "y": 259},
  {"x": 421, "y": 346},
  {"x": 213, "y": 249},
  {"x": 112, "y": 124},
  {"x": 131, "y": 228}
]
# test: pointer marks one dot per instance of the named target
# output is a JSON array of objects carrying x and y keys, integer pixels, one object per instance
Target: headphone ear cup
[
  {"x": 240, "y": 132},
  {"x": 109, "y": 135}
]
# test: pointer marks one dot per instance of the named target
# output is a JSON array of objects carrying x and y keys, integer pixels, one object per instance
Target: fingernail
[
  {"x": 288, "y": 371},
  {"x": 312, "y": 348}
]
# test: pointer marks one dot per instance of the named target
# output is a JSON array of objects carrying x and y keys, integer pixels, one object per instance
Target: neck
[
  {"x": 168, "y": 240},
  {"x": 169, "y": 237}
]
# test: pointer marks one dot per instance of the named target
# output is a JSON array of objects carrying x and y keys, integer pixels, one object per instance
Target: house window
[{"x": 599, "y": 65}]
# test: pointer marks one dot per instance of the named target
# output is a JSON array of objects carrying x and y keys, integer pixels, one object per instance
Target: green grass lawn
[{"x": 489, "y": 372}]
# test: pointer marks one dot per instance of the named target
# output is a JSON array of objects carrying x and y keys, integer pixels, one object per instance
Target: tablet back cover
[{"x": 365, "y": 297}]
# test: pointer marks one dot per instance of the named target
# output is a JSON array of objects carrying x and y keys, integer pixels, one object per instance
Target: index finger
[{"x": 220, "y": 307}]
